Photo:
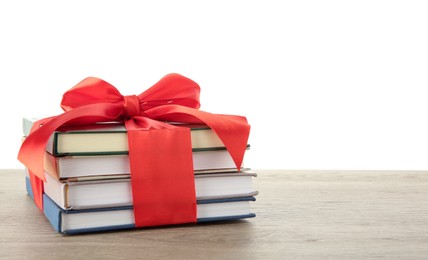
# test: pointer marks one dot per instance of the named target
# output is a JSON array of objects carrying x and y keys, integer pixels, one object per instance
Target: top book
[{"x": 111, "y": 138}]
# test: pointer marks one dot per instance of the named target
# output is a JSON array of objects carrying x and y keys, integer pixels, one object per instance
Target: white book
[
  {"x": 107, "y": 165},
  {"x": 98, "y": 193}
]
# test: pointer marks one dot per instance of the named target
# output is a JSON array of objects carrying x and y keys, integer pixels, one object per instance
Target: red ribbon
[{"x": 160, "y": 153}]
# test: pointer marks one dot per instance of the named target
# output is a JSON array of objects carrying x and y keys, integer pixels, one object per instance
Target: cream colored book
[{"x": 111, "y": 138}]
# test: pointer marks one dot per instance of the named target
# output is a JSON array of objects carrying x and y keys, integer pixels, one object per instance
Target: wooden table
[{"x": 300, "y": 215}]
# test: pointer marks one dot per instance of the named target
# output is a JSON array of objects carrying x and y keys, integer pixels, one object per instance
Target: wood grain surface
[{"x": 300, "y": 215}]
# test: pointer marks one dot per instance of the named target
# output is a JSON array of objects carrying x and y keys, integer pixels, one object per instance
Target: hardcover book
[
  {"x": 78, "y": 166},
  {"x": 97, "y": 192}
]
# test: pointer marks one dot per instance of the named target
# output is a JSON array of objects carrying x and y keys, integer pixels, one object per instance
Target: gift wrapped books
[{"x": 115, "y": 162}]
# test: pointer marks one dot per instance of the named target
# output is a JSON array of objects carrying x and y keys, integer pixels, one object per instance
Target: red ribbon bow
[{"x": 160, "y": 153}]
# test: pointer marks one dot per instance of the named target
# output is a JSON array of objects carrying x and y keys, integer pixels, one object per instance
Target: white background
[{"x": 324, "y": 84}]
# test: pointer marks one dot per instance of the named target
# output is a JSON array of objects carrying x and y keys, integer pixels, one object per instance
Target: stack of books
[{"x": 88, "y": 185}]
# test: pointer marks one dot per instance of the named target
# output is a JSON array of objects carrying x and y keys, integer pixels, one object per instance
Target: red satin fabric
[
  {"x": 36, "y": 182},
  {"x": 166, "y": 200},
  {"x": 160, "y": 154}
]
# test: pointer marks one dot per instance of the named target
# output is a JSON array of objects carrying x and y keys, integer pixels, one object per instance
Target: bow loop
[
  {"x": 172, "y": 89},
  {"x": 90, "y": 91}
]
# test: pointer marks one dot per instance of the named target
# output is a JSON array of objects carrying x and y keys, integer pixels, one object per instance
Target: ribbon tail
[
  {"x": 233, "y": 131},
  {"x": 35, "y": 181},
  {"x": 32, "y": 151},
  {"x": 162, "y": 178},
  {"x": 37, "y": 189}
]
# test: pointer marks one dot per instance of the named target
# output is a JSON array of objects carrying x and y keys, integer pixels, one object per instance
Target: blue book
[{"x": 115, "y": 218}]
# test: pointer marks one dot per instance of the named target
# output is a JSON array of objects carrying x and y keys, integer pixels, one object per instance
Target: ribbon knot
[{"x": 131, "y": 106}]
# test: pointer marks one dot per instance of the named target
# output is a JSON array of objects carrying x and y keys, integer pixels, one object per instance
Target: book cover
[{"x": 116, "y": 218}]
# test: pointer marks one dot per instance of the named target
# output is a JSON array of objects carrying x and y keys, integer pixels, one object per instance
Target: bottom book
[{"x": 104, "y": 219}]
